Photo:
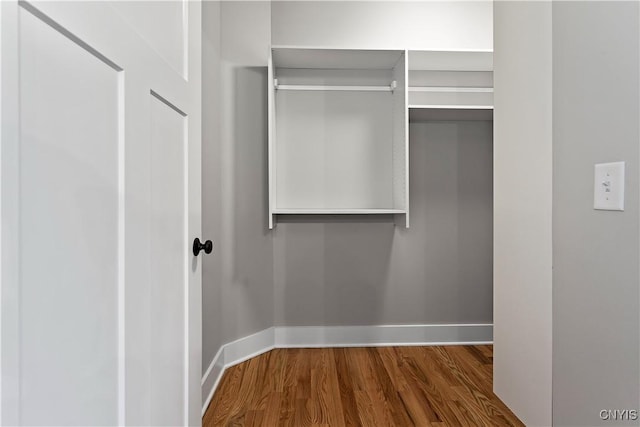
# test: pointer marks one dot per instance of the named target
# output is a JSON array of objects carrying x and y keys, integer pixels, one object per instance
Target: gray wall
[
  {"x": 438, "y": 25},
  {"x": 596, "y": 324},
  {"x": 366, "y": 271},
  {"x": 346, "y": 271},
  {"x": 238, "y": 276},
  {"x": 522, "y": 332},
  {"x": 212, "y": 336},
  {"x": 247, "y": 282}
]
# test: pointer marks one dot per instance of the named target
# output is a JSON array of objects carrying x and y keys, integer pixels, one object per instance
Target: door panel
[
  {"x": 99, "y": 201},
  {"x": 69, "y": 211},
  {"x": 168, "y": 262}
]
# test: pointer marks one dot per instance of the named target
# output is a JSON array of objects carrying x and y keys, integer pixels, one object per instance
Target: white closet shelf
[
  {"x": 450, "y": 85},
  {"x": 337, "y": 211},
  {"x": 355, "y": 133},
  {"x": 302, "y": 57},
  {"x": 451, "y": 107},
  {"x": 461, "y": 89},
  {"x": 389, "y": 88}
]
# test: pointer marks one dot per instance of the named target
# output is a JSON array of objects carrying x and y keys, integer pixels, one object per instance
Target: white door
[{"x": 100, "y": 203}]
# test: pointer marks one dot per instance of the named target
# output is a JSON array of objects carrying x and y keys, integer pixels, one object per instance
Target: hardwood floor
[{"x": 377, "y": 386}]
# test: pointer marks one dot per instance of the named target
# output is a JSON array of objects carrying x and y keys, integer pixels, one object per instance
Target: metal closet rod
[{"x": 389, "y": 88}]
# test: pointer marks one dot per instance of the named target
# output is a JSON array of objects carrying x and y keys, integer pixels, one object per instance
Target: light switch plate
[{"x": 608, "y": 189}]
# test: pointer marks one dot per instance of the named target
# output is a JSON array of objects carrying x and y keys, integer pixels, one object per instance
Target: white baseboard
[
  {"x": 338, "y": 336},
  {"x": 211, "y": 378},
  {"x": 383, "y": 335},
  {"x": 231, "y": 354}
]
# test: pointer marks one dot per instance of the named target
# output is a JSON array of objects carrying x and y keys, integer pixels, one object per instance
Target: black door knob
[{"x": 198, "y": 246}]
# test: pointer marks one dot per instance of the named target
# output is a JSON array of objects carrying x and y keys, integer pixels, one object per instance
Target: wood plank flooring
[{"x": 376, "y": 386}]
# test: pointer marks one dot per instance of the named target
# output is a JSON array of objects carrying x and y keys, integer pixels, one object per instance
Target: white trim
[
  {"x": 122, "y": 326},
  {"x": 1, "y": 234},
  {"x": 218, "y": 357},
  {"x": 384, "y": 335},
  {"x": 248, "y": 347},
  {"x": 245, "y": 348},
  {"x": 231, "y": 354},
  {"x": 406, "y": 140},
  {"x": 211, "y": 378},
  {"x": 187, "y": 282}
]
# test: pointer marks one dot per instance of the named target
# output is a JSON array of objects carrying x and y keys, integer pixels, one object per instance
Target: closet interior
[{"x": 339, "y": 123}]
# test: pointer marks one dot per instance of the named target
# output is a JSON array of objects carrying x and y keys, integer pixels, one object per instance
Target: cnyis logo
[{"x": 619, "y": 414}]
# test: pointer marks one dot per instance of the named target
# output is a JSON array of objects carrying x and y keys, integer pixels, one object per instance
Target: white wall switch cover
[{"x": 608, "y": 190}]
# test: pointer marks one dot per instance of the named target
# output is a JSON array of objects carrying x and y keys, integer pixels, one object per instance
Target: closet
[
  {"x": 339, "y": 123},
  {"x": 450, "y": 85}
]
